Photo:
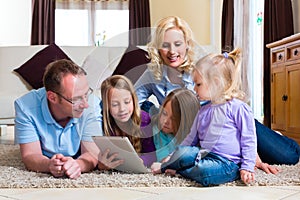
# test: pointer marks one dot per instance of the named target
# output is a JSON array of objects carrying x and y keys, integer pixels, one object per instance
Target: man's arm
[
  {"x": 86, "y": 162},
  {"x": 34, "y": 160}
]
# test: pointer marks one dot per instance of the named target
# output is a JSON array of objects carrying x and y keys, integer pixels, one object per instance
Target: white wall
[{"x": 15, "y": 22}]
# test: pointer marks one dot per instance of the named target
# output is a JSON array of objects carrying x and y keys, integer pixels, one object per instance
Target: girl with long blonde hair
[{"x": 122, "y": 116}]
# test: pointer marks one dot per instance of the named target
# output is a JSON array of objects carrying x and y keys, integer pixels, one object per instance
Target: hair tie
[{"x": 225, "y": 54}]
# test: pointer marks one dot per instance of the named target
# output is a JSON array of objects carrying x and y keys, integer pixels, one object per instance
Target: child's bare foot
[{"x": 171, "y": 172}]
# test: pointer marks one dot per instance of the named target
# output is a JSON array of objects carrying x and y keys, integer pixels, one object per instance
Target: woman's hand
[
  {"x": 106, "y": 162},
  {"x": 265, "y": 166}
]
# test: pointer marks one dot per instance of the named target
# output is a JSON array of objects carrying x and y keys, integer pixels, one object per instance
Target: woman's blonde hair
[
  {"x": 155, "y": 44},
  {"x": 110, "y": 126},
  {"x": 185, "y": 106},
  {"x": 222, "y": 74}
]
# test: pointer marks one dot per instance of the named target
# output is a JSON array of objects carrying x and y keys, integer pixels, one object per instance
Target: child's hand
[
  {"x": 166, "y": 159},
  {"x": 141, "y": 160},
  {"x": 247, "y": 176},
  {"x": 106, "y": 161},
  {"x": 156, "y": 168}
]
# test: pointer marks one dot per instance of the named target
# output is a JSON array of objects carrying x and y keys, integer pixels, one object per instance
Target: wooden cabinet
[{"x": 285, "y": 86}]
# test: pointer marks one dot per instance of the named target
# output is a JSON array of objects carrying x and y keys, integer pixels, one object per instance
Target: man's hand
[
  {"x": 71, "y": 167},
  {"x": 61, "y": 165},
  {"x": 106, "y": 162},
  {"x": 56, "y": 165}
]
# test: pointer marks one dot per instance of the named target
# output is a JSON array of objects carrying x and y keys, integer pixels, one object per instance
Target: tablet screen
[{"x": 121, "y": 145}]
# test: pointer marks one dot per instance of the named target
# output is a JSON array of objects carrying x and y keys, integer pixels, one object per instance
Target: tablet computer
[{"x": 122, "y": 146}]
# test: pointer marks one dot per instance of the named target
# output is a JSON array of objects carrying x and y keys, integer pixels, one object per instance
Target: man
[{"x": 54, "y": 124}]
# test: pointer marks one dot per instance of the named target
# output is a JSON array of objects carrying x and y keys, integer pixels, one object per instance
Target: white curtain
[
  {"x": 248, "y": 35},
  {"x": 91, "y": 7},
  {"x": 241, "y": 37},
  {"x": 86, "y": 4}
]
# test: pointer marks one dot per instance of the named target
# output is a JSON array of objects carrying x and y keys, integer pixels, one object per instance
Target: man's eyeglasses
[{"x": 77, "y": 100}]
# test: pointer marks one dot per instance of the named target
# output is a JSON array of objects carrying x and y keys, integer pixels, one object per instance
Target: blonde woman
[{"x": 171, "y": 52}]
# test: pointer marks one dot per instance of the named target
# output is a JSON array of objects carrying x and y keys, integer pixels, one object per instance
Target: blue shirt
[
  {"x": 228, "y": 130},
  {"x": 164, "y": 143},
  {"x": 147, "y": 85},
  {"x": 34, "y": 122}
]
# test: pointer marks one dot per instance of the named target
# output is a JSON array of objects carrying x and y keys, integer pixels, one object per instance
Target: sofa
[
  {"x": 99, "y": 62},
  {"x": 22, "y": 67}
]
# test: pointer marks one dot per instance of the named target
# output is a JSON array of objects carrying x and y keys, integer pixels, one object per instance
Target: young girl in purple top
[
  {"x": 123, "y": 117},
  {"x": 221, "y": 146}
]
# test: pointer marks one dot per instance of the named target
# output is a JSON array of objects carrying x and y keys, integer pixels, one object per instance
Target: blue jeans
[
  {"x": 212, "y": 169},
  {"x": 274, "y": 148}
]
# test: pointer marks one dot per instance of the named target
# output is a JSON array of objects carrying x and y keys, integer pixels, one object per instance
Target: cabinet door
[
  {"x": 278, "y": 94},
  {"x": 293, "y": 101}
]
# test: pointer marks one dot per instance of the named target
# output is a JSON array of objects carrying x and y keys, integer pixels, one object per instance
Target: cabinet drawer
[
  {"x": 293, "y": 52},
  {"x": 277, "y": 56}
]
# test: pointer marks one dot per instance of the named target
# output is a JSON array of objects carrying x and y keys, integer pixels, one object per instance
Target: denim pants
[
  {"x": 211, "y": 169},
  {"x": 274, "y": 148}
]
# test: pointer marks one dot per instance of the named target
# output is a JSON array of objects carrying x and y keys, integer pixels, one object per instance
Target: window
[
  {"x": 113, "y": 29},
  {"x": 91, "y": 23},
  {"x": 256, "y": 58},
  {"x": 71, "y": 27}
]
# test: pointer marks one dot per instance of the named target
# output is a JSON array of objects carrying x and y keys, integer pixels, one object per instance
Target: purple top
[
  {"x": 228, "y": 130},
  {"x": 148, "y": 154}
]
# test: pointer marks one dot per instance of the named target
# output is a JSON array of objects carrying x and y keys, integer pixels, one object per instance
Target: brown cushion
[
  {"x": 32, "y": 71},
  {"x": 133, "y": 63}
]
